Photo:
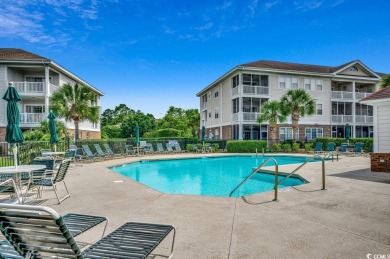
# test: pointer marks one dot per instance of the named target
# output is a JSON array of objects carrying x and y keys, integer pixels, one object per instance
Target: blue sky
[{"x": 154, "y": 54}]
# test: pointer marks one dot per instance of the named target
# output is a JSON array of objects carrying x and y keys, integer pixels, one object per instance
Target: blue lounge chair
[
  {"x": 357, "y": 149},
  {"x": 318, "y": 147},
  {"x": 160, "y": 148},
  {"x": 89, "y": 155},
  {"x": 169, "y": 149},
  {"x": 330, "y": 147},
  {"x": 178, "y": 148},
  {"x": 130, "y": 150},
  {"x": 46, "y": 234},
  {"x": 100, "y": 152},
  {"x": 110, "y": 152},
  {"x": 343, "y": 148}
]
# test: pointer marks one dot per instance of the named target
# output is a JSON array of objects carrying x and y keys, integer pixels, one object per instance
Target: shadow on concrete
[{"x": 365, "y": 175}]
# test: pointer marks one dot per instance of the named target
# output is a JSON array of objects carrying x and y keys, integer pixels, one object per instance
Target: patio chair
[
  {"x": 343, "y": 148},
  {"x": 45, "y": 234},
  {"x": 330, "y": 147},
  {"x": 8, "y": 185},
  {"x": 52, "y": 181},
  {"x": 100, "y": 152},
  {"x": 357, "y": 149},
  {"x": 89, "y": 155},
  {"x": 43, "y": 151},
  {"x": 160, "y": 148},
  {"x": 130, "y": 150},
  {"x": 110, "y": 152},
  {"x": 318, "y": 147},
  {"x": 169, "y": 149},
  {"x": 149, "y": 149},
  {"x": 76, "y": 223},
  {"x": 178, "y": 148}
]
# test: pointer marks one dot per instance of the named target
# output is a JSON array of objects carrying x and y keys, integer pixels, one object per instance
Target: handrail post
[
  {"x": 323, "y": 174},
  {"x": 276, "y": 183}
]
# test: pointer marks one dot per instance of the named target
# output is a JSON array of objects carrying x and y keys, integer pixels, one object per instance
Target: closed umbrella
[
  {"x": 137, "y": 136},
  {"x": 53, "y": 129},
  {"x": 13, "y": 134},
  {"x": 203, "y": 134},
  {"x": 347, "y": 131}
]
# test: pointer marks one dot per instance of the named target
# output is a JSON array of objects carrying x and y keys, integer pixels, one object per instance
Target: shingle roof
[
  {"x": 289, "y": 66},
  {"x": 383, "y": 93},
  {"x": 18, "y": 54}
]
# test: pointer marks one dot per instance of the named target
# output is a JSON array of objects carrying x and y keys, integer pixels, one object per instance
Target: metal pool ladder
[{"x": 257, "y": 170}]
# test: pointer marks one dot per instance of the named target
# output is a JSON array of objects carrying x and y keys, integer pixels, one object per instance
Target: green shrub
[
  {"x": 308, "y": 147},
  {"x": 296, "y": 147},
  {"x": 189, "y": 147},
  {"x": 286, "y": 147},
  {"x": 246, "y": 146},
  {"x": 167, "y": 133},
  {"x": 216, "y": 146},
  {"x": 277, "y": 147}
]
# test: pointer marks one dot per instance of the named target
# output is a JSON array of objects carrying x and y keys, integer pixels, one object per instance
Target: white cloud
[
  {"x": 269, "y": 5},
  {"x": 337, "y": 2},
  {"x": 206, "y": 26},
  {"x": 307, "y": 5},
  {"x": 252, "y": 7}
]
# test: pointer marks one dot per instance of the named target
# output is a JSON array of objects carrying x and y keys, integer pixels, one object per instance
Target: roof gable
[
  {"x": 18, "y": 54},
  {"x": 355, "y": 69}
]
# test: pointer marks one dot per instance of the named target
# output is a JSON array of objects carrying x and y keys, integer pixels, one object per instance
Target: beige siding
[
  {"x": 383, "y": 128},
  {"x": 361, "y": 71}
]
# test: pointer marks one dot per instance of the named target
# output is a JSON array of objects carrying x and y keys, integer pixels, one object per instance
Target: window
[
  {"x": 319, "y": 108},
  {"x": 204, "y": 100},
  {"x": 235, "y": 81},
  {"x": 254, "y": 80},
  {"x": 94, "y": 125},
  {"x": 353, "y": 68},
  {"x": 286, "y": 133},
  {"x": 313, "y": 84},
  {"x": 236, "y": 106},
  {"x": 35, "y": 109},
  {"x": 88, "y": 135},
  {"x": 209, "y": 114},
  {"x": 313, "y": 133},
  {"x": 205, "y": 115},
  {"x": 216, "y": 113},
  {"x": 216, "y": 94},
  {"x": 319, "y": 85},
  {"x": 288, "y": 82}
]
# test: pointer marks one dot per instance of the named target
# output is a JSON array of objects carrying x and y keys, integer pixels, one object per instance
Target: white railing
[
  {"x": 235, "y": 91},
  {"x": 248, "y": 89},
  {"x": 250, "y": 116},
  {"x": 342, "y": 118},
  {"x": 31, "y": 118},
  {"x": 29, "y": 87},
  {"x": 364, "y": 119},
  {"x": 359, "y": 96},
  {"x": 342, "y": 95},
  {"x": 235, "y": 117}
]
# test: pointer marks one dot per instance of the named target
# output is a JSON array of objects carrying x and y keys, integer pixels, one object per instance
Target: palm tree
[
  {"x": 297, "y": 103},
  {"x": 74, "y": 103},
  {"x": 385, "y": 81},
  {"x": 272, "y": 113}
]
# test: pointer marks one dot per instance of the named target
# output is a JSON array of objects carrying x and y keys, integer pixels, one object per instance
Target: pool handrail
[{"x": 257, "y": 170}]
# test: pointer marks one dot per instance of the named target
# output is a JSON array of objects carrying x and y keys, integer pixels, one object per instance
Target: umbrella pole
[{"x": 15, "y": 152}]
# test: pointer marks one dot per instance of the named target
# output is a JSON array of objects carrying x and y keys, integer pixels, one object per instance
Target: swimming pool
[{"x": 207, "y": 176}]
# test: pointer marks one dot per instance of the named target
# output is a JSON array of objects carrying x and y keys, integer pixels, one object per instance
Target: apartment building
[
  {"x": 36, "y": 78},
  {"x": 231, "y": 105}
]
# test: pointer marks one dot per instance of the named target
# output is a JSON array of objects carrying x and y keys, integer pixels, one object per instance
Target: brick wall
[
  {"x": 227, "y": 132},
  {"x": 376, "y": 165},
  {"x": 2, "y": 134},
  {"x": 92, "y": 134}
]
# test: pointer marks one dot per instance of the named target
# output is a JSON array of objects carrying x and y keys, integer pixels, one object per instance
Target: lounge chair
[
  {"x": 178, "y": 148},
  {"x": 100, "y": 152},
  {"x": 76, "y": 223},
  {"x": 160, "y": 148},
  {"x": 357, "y": 149},
  {"x": 52, "y": 181},
  {"x": 343, "y": 148},
  {"x": 110, "y": 152},
  {"x": 8, "y": 185},
  {"x": 330, "y": 147},
  {"x": 46, "y": 234},
  {"x": 318, "y": 147},
  {"x": 169, "y": 149},
  {"x": 130, "y": 150},
  {"x": 89, "y": 155}
]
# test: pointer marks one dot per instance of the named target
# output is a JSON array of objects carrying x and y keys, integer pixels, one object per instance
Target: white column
[
  {"x": 47, "y": 90},
  {"x": 353, "y": 110},
  {"x": 240, "y": 126},
  {"x": 221, "y": 111}
]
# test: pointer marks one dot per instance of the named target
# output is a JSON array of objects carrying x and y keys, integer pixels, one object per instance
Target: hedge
[{"x": 246, "y": 146}]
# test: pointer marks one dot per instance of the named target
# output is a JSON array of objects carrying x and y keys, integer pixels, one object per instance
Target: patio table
[{"x": 17, "y": 174}]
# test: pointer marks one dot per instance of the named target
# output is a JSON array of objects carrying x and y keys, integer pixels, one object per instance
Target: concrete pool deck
[{"x": 349, "y": 220}]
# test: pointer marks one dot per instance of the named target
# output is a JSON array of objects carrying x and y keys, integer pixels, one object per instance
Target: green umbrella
[
  {"x": 53, "y": 129},
  {"x": 137, "y": 133},
  {"x": 13, "y": 132},
  {"x": 203, "y": 133},
  {"x": 347, "y": 131}
]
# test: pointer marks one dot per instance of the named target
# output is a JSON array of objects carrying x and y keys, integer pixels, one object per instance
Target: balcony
[
  {"x": 342, "y": 118},
  {"x": 342, "y": 95},
  {"x": 235, "y": 117},
  {"x": 33, "y": 88},
  {"x": 359, "y": 96},
  {"x": 31, "y": 118},
  {"x": 255, "y": 90},
  {"x": 364, "y": 119},
  {"x": 245, "y": 116}
]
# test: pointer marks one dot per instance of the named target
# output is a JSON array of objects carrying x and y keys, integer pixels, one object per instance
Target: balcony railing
[
  {"x": 31, "y": 118},
  {"x": 359, "y": 96},
  {"x": 235, "y": 91},
  {"x": 235, "y": 116},
  {"x": 256, "y": 90},
  {"x": 364, "y": 119},
  {"x": 33, "y": 87},
  {"x": 250, "y": 116},
  {"x": 342, "y": 118},
  {"x": 29, "y": 87},
  {"x": 342, "y": 95}
]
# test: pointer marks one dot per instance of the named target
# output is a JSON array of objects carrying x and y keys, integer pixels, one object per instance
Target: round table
[{"x": 16, "y": 175}]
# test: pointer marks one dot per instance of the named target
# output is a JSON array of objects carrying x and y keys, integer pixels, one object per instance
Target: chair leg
[{"x": 58, "y": 198}]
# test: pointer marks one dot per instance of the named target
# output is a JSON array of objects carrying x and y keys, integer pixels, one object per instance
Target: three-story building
[
  {"x": 231, "y": 105},
  {"x": 36, "y": 78}
]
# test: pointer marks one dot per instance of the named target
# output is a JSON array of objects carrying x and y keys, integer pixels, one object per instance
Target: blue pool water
[{"x": 212, "y": 176}]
